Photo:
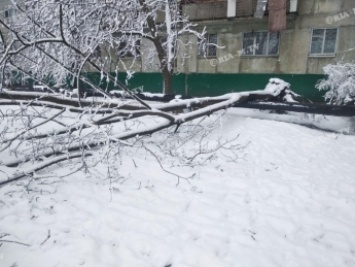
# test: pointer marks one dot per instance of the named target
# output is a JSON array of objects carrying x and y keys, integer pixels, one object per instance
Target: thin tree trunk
[{"x": 167, "y": 81}]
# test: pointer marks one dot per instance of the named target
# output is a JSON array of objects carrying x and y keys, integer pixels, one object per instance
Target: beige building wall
[{"x": 295, "y": 42}]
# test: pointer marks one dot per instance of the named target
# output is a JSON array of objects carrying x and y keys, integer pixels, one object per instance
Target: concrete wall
[
  {"x": 4, "y": 4},
  {"x": 294, "y": 50}
]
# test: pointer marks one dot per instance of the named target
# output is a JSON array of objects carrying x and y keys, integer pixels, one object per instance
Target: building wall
[{"x": 294, "y": 50}]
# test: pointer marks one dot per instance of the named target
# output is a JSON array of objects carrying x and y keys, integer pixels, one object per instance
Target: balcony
[
  {"x": 205, "y": 10},
  {"x": 212, "y": 10}
]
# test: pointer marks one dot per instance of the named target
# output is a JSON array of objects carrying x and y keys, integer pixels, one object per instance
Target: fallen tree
[
  {"x": 52, "y": 42},
  {"x": 39, "y": 130}
]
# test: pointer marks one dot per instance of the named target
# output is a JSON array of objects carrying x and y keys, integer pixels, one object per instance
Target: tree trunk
[{"x": 167, "y": 81}]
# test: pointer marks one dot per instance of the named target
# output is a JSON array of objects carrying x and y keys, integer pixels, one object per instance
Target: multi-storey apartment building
[{"x": 317, "y": 32}]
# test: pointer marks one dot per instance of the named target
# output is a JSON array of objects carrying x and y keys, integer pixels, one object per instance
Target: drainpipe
[{"x": 231, "y": 8}]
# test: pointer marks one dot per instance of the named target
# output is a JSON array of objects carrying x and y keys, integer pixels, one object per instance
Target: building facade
[{"x": 318, "y": 32}]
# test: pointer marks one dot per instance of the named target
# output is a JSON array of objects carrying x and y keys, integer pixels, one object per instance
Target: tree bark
[{"x": 167, "y": 81}]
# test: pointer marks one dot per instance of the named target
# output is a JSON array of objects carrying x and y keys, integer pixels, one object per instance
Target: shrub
[{"x": 340, "y": 83}]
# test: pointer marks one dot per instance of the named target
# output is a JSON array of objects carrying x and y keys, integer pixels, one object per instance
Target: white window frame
[
  {"x": 322, "y": 54},
  {"x": 255, "y": 45}
]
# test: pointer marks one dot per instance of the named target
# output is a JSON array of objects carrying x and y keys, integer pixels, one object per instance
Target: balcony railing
[
  {"x": 210, "y": 10},
  {"x": 205, "y": 10}
]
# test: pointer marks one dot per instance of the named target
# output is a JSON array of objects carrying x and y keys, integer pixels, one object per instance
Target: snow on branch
[
  {"x": 339, "y": 83},
  {"x": 41, "y": 132}
]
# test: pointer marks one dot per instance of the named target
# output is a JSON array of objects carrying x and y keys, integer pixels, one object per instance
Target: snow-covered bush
[{"x": 340, "y": 83}]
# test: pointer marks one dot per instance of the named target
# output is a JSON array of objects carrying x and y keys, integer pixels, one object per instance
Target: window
[
  {"x": 209, "y": 46},
  {"x": 11, "y": 12},
  {"x": 129, "y": 48},
  {"x": 324, "y": 41},
  {"x": 97, "y": 52},
  {"x": 261, "y": 43}
]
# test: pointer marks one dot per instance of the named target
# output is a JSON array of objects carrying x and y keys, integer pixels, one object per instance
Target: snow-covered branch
[
  {"x": 339, "y": 83},
  {"x": 30, "y": 139}
]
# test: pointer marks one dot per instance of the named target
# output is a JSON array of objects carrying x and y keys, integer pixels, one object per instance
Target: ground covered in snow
[{"x": 286, "y": 197}]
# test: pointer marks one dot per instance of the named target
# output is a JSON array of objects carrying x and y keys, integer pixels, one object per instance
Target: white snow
[
  {"x": 275, "y": 86},
  {"x": 288, "y": 200},
  {"x": 337, "y": 124}
]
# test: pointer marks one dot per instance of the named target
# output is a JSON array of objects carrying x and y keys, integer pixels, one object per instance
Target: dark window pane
[
  {"x": 329, "y": 47},
  {"x": 316, "y": 47},
  {"x": 331, "y": 34},
  {"x": 261, "y": 43},
  {"x": 274, "y": 43},
  {"x": 330, "y": 40},
  {"x": 212, "y": 49},
  {"x": 248, "y": 42},
  {"x": 213, "y": 39},
  {"x": 248, "y": 35},
  {"x": 97, "y": 52},
  {"x": 319, "y": 32}
]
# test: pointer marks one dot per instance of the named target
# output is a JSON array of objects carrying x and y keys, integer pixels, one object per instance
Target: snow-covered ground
[{"x": 288, "y": 200}]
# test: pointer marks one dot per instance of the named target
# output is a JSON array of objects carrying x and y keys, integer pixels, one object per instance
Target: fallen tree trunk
[
  {"x": 97, "y": 123},
  {"x": 333, "y": 110}
]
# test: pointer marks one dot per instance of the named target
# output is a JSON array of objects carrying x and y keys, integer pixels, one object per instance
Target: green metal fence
[{"x": 200, "y": 84}]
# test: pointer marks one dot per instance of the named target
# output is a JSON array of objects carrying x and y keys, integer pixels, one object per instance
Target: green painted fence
[{"x": 200, "y": 84}]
